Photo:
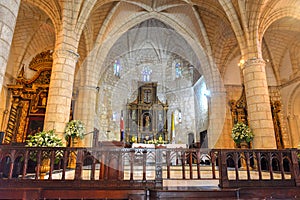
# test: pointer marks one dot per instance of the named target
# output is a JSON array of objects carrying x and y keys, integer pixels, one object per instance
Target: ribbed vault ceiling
[{"x": 208, "y": 21}]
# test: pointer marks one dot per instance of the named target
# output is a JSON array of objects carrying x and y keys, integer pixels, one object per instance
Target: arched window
[
  {"x": 178, "y": 69},
  {"x": 117, "y": 68},
  {"x": 146, "y": 73}
]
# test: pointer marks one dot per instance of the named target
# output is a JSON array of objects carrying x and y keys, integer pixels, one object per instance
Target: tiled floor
[{"x": 176, "y": 176}]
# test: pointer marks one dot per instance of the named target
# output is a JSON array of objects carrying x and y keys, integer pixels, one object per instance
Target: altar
[
  {"x": 146, "y": 118},
  {"x": 143, "y": 145}
]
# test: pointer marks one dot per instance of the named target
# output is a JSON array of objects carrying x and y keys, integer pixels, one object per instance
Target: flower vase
[
  {"x": 244, "y": 145},
  {"x": 44, "y": 167},
  {"x": 75, "y": 142}
]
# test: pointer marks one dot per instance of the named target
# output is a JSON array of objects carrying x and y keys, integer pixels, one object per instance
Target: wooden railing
[
  {"x": 259, "y": 168},
  {"x": 147, "y": 168}
]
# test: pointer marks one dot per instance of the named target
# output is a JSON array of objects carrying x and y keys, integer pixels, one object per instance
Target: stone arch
[
  {"x": 284, "y": 12},
  {"x": 51, "y": 10},
  {"x": 293, "y": 115},
  {"x": 210, "y": 70}
]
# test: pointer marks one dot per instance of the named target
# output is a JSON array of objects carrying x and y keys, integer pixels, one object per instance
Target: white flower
[
  {"x": 241, "y": 132},
  {"x": 44, "y": 139},
  {"x": 74, "y": 128}
]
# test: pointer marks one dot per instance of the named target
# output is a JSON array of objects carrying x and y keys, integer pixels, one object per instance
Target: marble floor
[{"x": 176, "y": 179}]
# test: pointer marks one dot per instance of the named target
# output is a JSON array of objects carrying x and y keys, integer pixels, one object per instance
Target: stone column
[
  {"x": 8, "y": 12},
  {"x": 297, "y": 129},
  {"x": 258, "y": 104},
  {"x": 217, "y": 113},
  {"x": 293, "y": 127},
  {"x": 85, "y": 110},
  {"x": 60, "y": 90}
]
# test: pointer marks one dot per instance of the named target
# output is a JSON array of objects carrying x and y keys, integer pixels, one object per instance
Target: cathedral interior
[
  {"x": 209, "y": 64},
  {"x": 160, "y": 86}
]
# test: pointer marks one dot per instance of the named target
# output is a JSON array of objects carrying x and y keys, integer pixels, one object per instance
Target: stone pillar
[
  {"x": 8, "y": 12},
  {"x": 217, "y": 113},
  {"x": 258, "y": 104},
  {"x": 293, "y": 127},
  {"x": 297, "y": 129},
  {"x": 60, "y": 90},
  {"x": 85, "y": 109}
]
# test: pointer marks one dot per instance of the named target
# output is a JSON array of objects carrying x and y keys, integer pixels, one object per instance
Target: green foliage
[
  {"x": 74, "y": 128},
  {"x": 44, "y": 139},
  {"x": 241, "y": 132}
]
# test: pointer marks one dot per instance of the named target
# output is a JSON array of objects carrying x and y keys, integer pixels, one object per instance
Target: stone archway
[{"x": 293, "y": 116}]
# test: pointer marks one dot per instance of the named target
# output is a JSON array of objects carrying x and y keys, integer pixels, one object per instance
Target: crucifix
[{"x": 147, "y": 96}]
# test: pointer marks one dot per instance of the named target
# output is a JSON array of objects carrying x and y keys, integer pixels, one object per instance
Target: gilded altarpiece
[
  {"x": 146, "y": 116},
  {"x": 239, "y": 114},
  {"x": 239, "y": 109},
  {"x": 276, "y": 108},
  {"x": 29, "y": 100}
]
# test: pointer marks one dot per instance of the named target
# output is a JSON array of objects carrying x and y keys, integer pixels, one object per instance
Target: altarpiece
[
  {"x": 146, "y": 116},
  {"x": 29, "y": 100}
]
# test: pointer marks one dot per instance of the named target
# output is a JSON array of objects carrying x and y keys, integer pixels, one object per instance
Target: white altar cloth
[
  {"x": 173, "y": 146},
  {"x": 143, "y": 145}
]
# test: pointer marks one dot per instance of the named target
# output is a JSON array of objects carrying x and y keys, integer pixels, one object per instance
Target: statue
[
  {"x": 147, "y": 123},
  {"x": 160, "y": 139}
]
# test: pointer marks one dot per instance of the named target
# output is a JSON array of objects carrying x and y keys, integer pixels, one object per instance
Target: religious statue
[
  {"x": 147, "y": 123},
  {"x": 160, "y": 139},
  {"x": 133, "y": 140},
  {"x": 43, "y": 99}
]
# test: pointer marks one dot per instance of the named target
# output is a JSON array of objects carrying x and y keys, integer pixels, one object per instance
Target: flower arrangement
[
  {"x": 156, "y": 142},
  {"x": 74, "y": 128},
  {"x": 241, "y": 133},
  {"x": 44, "y": 139}
]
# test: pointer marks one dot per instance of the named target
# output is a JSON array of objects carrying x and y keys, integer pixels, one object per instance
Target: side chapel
[{"x": 29, "y": 100}]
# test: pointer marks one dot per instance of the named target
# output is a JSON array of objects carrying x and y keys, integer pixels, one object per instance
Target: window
[
  {"x": 146, "y": 73},
  {"x": 114, "y": 116},
  {"x": 117, "y": 68},
  {"x": 178, "y": 70}
]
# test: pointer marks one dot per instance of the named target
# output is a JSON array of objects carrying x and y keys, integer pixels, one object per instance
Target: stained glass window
[
  {"x": 178, "y": 70},
  {"x": 117, "y": 68},
  {"x": 146, "y": 73}
]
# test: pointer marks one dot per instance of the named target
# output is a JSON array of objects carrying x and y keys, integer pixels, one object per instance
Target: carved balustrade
[{"x": 149, "y": 167}]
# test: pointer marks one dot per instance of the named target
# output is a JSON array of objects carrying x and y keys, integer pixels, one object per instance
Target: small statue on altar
[
  {"x": 160, "y": 139},
  {"x": 133, "y": 140},
  {"x": 147, "y": 123}
]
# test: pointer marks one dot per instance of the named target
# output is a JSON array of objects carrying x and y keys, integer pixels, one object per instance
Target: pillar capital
[
  {"x": 254, "y": 60},
  {"x": 291, "y": 116},
  {"x": 67, "y": 53}
]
